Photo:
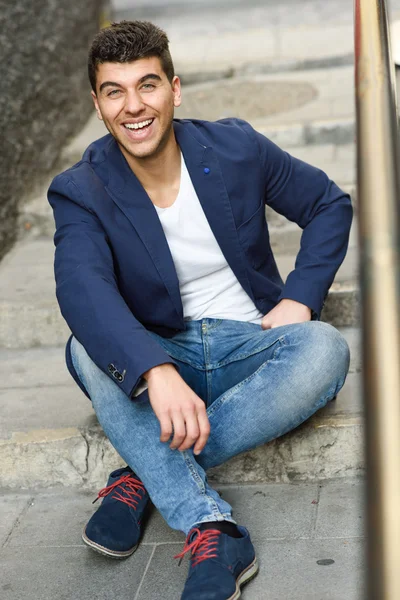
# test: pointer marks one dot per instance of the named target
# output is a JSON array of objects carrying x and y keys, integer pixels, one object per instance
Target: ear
[
  {"x": 177, "y": 91},
  {"x": 96, "y": 105}
]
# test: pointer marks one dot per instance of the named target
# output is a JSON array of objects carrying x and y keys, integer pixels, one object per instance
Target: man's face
[{"x": 136, "y": 102}]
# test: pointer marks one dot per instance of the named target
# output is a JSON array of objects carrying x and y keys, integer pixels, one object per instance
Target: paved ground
[{"x": 309, "y": 539}]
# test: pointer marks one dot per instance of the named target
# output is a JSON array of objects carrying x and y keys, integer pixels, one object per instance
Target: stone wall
[{"x": 44, "y": 96}]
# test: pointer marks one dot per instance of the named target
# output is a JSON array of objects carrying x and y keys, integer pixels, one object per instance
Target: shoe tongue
[
  {"x": 120, "y": 472},
  {"x": 195, "y": 534}
]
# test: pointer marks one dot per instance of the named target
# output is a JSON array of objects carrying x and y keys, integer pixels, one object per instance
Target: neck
[{"x": 160, "y": 169}]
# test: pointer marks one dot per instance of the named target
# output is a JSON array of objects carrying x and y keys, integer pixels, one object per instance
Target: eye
[
  {"x": 148, "y": 86},
  {"x": 114, "y": 93}
]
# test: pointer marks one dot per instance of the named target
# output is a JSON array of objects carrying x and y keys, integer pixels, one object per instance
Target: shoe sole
[
  {"x": 106, "y": 551},
  {"x": 245, "y": 576}
]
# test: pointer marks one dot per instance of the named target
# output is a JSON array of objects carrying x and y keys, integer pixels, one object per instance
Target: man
[{"x": 185, "y": 339}]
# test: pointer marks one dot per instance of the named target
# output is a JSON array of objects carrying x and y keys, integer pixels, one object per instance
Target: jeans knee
[
  {"x": 330, "y": 351},
  {"x": 86, "y": 370}
]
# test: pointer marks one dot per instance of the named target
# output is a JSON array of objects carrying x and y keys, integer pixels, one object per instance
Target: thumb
[{"x": 266, "y": 323}]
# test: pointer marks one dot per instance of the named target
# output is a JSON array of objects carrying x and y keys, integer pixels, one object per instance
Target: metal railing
[{"x": 378, "y": 193}]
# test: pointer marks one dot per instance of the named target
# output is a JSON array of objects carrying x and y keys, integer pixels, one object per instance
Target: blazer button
[{"x": 111, "y": 368}]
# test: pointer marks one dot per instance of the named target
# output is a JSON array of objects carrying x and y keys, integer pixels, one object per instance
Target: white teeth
[{"x": 138, "y": 125}]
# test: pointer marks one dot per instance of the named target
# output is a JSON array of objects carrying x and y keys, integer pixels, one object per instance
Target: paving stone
[
  {"x": 273, "y": 511},
  {"x": 288, "y": 569},
  {"x": 341, "y": 510},
  {"x": 158, "y": 531},
  {"x": 55, "y": 518},
  {"x": 49, "y": 535},
  {"x": 12, "y": 507},
  {"x": 270, "y": 511},
  {"x": 164, "y": 578},
  {"x": 69, "y": 573}
]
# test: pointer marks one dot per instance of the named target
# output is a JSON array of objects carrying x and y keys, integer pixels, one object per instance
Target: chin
[{"x": 142, "y": 152}]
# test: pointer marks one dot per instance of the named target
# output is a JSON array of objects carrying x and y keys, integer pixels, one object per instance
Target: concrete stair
[{"x": 48, "y": 431}]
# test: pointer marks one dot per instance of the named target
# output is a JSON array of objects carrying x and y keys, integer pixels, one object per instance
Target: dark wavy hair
[{"x": 127, "y": 41}]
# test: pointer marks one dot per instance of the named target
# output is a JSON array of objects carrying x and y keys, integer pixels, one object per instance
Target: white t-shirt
[{"x": 208, "y": 286}]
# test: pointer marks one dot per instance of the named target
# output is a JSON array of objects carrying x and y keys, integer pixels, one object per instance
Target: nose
[{"x": 134, "y": 103}]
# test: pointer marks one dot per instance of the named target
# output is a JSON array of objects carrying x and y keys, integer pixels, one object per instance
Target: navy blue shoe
[
  {"x": 115, "y": 528},
  {"x": 219, "y": 566}
]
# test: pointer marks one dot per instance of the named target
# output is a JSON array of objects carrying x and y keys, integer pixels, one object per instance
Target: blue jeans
[{"x": 257, "y": 385}]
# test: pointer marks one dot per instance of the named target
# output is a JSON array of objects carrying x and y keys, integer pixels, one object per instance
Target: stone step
[
  {"x": 285, "y": 236},
  {"x": 27, "y": 293},
  {"x": 49, "y": 433},
  {"x": 210, "y": 40}
]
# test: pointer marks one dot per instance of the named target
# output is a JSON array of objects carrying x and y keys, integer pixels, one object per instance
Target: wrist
[
  {"x": 291, "y": 302},
  {"x": 158, "y": 370}
]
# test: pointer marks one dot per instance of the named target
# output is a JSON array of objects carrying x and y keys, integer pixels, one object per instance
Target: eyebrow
[{"x": 141, "y": 80}]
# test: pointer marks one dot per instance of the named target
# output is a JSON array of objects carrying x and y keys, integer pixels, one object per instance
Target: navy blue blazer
[{"x": 115, "y": 277}]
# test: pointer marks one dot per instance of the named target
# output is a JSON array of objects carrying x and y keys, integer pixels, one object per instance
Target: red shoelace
[
  {"x": 203, "y": 546},
  {"x": 127, "y": 494}
]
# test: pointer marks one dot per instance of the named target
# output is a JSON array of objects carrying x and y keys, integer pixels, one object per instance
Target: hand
[
  {"x": 177, "y": 408},
  {"x": 286, "y": 312}
]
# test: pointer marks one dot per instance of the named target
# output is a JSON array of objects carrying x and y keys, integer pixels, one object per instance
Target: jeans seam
[
  {"x": 214, "y": 325},
  {"x": 222, "y": 399},
  {"x": 200, "y": 484},
  {"x": 209, "y": 386},
  {"x": 206, "y": 359}
]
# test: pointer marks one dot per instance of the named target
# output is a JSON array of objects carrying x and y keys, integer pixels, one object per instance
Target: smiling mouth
[{"x": 138, "y": 126}]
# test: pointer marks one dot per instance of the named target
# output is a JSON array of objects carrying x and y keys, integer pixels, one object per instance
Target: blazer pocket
[
  {"x": 254, "y": 238},
  {"x": 257, "y": 212}
]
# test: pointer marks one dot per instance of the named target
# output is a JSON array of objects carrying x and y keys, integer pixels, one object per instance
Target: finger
[
  {"x": 266, "y": 324},
  {"x": 192, "y": 429},
  {"x": 166, "y": 427},
  {"x": 204, "y": 425},
  {"x": 179, "y": 430}
]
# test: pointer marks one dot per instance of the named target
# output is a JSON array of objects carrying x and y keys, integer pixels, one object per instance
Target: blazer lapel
[
  {"x": 205, "y": 173},
  {"x": 130, "y": 196}
]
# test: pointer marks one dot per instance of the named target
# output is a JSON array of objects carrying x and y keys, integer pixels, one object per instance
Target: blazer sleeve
[
  {"x": 88, "y": 294},
  {"x": 306, "y": 196}
]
